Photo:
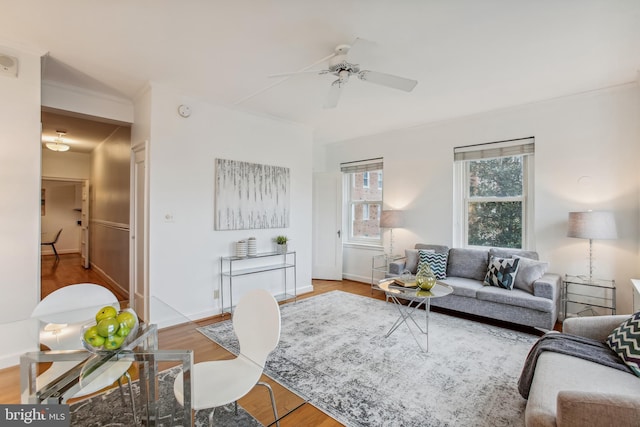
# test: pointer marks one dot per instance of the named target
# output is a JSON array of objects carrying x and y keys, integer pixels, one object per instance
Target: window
[
  {"x": 493, "y": 194},
  {"x": 363, "y": 203}
]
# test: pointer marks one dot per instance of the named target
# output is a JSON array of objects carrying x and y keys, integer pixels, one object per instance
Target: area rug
[
  {"x": 108, "y": 409},
  {"x": 333, "y": 352}
]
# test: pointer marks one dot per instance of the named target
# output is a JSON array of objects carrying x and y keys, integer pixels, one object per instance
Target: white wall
[
  {"x": 67, "y": 165},
  {"x": 61, "y": 200},
  {"x": 593, "y": 135},
  {"x": 19, "y": 204},
  {"x": 185, "y": 253}
]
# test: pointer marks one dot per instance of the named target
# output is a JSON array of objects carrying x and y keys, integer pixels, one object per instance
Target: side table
[
  {"x": 589, "y": 292},
  {"x": 380, "y": 266}
]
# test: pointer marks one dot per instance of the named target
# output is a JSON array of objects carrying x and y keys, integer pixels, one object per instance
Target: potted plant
[{"x": 281, "y": 244}]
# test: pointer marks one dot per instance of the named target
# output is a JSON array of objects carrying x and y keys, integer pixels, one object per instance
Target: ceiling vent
[{"x": 8, "y": 65}]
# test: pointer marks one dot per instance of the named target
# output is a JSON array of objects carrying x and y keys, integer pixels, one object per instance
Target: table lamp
[
  {"x": 592, "y": 225},
  {"x": 391, "y": 219}
]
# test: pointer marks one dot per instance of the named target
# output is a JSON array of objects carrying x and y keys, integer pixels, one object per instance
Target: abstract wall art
[{"x": 251, "y": 195}]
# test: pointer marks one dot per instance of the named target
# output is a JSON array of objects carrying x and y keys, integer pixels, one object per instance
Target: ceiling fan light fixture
[{"x": 58, "y": 143}]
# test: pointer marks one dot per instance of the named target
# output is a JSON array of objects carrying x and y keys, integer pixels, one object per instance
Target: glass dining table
[{"x": 66, "y": 369}]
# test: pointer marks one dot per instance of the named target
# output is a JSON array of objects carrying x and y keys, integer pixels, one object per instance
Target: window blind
[
  {"x": 361, "y": 165},
  {"x": 492, "y": 150}
]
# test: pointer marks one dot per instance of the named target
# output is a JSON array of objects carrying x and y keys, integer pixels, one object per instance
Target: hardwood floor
[
  {"x": 56, "y": 274},
  {"x": 297, "y": 411}
]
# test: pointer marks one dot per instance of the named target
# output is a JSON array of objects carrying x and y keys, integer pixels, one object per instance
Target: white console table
[{"x": 231, "y": 267}]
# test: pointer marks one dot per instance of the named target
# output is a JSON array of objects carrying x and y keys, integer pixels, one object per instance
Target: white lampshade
[
  {"x": 392, "y": 219},
  {"x": 592, "y": 225}
]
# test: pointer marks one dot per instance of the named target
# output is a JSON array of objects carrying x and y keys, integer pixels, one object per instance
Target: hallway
[{"x": 68, "y": 271}]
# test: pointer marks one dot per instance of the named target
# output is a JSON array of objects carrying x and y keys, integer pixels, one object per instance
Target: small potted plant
[{"x": 281, "y": 244}]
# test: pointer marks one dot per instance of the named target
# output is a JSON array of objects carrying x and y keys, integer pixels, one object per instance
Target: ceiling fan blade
[
  {"x": 358, "y": 50},
  {"x": 295, "y": 73},
  {"x": 334, "y": 94},
  {"x": 388, "y": 80}
]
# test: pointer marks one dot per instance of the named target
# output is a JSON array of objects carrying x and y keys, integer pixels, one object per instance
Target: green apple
[
  {"x": 92, "y": 337},
  {"x": 126, "y": 318},
  {"x": 113, "y": 342},
  {"x": 108, "y": 312},
  {"x": 123, "y": 330},
  {"x": 107, "y": 327}
]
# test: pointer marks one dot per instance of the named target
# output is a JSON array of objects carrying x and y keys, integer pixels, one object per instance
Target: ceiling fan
[{"x": 341, "y": 67}]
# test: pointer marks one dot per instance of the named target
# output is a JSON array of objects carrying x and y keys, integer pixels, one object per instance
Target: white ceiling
[{"x": 468, "y": 56}]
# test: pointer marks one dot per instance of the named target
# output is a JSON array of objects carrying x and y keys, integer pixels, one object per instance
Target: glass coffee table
[{"x": 415, "y": 298}]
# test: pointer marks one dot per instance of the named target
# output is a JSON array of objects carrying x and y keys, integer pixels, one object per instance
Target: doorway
[{"x": 99, "y": 156}]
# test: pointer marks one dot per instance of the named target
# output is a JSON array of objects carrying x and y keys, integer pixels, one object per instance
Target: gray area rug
[
  {"x": 108, "y": 409},
  {"x": 333, "y": 353}
]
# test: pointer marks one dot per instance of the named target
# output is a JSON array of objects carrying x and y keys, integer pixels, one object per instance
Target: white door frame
[{"x": 139, "y": 230}]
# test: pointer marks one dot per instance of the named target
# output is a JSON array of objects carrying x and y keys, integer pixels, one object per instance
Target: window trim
[
  {"x": 349, "y": 169},
  {"x": 524, "y": 147}
]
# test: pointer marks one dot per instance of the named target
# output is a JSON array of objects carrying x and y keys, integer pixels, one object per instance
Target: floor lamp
[
  {"x": 391, "y": 219},
  {"x": 592, "y": 225}
]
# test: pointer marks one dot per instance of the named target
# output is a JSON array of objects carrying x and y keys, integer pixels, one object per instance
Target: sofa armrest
[
  {"x": 396, "y": 267},
  {"x": 548, "y": 286},
  {"x": 595, "y": 327},
  {"x": 580, "y": 408}
]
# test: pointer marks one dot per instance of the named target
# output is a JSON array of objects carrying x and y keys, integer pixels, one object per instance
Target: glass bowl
[{"x": 113, "y": 342}]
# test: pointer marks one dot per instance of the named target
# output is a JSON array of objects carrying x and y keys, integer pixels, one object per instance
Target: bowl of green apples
[{"x": 111, "y": 330}]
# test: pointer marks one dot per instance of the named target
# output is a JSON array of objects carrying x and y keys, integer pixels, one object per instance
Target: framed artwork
[{"x": 251, "y": 195}]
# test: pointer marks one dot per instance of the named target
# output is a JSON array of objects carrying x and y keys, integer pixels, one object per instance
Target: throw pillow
[
  {"x": 411, "y": 262},
  {"x": 529, "y": 271},
  {"x": 502, "y": 272},
  {"x": 625, "y": 340},
  {"x": 437, "y": 261}
]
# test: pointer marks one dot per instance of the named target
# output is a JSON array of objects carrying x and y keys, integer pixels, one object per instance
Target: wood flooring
[{"x": 298, "y": 412}]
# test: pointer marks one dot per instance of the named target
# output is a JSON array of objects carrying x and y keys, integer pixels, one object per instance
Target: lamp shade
[
  {"x": 391, "y": 219},
  {"x": 592, "y": 225}
]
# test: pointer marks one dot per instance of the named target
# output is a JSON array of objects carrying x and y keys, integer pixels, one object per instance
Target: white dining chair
[
  {"x": 256, "y": 323},
  {"x": 64, "y": 312}
]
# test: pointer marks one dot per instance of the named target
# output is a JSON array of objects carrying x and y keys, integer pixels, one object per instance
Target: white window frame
[
  {"x": 365, "y": 211},
  {"x": 349, "y": 169},
  {"x": 461, "y": 188},
  {"x": 365, "y": 180}
]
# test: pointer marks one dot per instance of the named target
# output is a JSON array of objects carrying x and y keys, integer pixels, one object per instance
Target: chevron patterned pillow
[
  {"x": 436, "y": 260},
  {"x": 625, "y": 340}
]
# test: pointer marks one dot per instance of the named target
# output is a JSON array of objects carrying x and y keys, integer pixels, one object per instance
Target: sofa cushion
[
  {"x": 556, "y": 372},
  {"x": 436, "y": 248},
  {"x": 529, "y": 271},
  {"x": 436, "y": 261},
  {"x": 515, "y": 297},
  {"x": 463, "y": 287},
  {"x": 625, "y": 341},
  {"x": 468, "y": 263},
  {"x": 411, "y": 259},
  {"x": 510, "y": 253}
]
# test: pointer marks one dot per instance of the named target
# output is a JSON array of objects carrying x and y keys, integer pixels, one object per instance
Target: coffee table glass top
[{"x": 439, "y": 290}]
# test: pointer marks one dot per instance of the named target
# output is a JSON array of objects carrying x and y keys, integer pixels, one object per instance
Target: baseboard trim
[
  {"x": 357, "y": 278},
  {"x": 109, "y": 279}
]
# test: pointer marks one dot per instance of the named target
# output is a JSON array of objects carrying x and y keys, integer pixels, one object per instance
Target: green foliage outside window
[{"x": 495, "y": 222}]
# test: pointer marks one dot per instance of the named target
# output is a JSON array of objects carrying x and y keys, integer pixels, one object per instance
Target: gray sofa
[
  {"x": 571, "y": 392},
  {"x": 532, "y": 302}
]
